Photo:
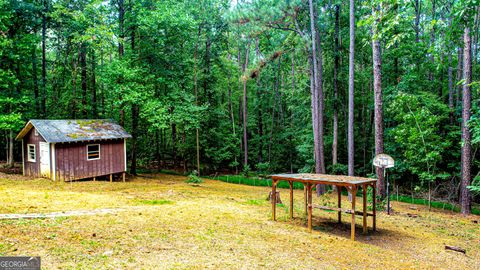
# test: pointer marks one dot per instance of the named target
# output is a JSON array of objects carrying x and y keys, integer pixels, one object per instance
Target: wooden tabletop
[{"x": 324, "y": 178}]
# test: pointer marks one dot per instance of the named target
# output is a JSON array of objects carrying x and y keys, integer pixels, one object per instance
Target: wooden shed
[{"x": 69, "y": 150}]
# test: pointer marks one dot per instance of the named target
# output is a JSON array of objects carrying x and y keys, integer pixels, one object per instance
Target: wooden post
[
  {"x": 94, "y": 179},
  {"x": 111, "y": 178},
  {"x": 354, "y": 195},
  {"x": 364, "y": 209},
  {"x": 374, "y": 202},
  {"x": 274, "y": 199},
  {"x": 305, "y": 199},
  {"x": 291, "y": 199},
  {"x": 339, "y": 194},
  {"x": 123, "y": 176},
  {"x": 309, "y": 192}
]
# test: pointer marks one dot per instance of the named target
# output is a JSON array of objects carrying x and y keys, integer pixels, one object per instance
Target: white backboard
[{"x": 383, "y": 161}]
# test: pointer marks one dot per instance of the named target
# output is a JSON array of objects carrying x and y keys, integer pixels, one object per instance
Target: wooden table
[{"x": 352, "y": 184}]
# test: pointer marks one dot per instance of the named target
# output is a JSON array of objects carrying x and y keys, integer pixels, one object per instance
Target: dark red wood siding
[
  {"x": 32, "y": 168},
  {"x": 72, "y": 164}
]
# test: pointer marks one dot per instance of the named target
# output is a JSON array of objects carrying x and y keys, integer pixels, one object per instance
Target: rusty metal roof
[{"x": 55, "y": 131}]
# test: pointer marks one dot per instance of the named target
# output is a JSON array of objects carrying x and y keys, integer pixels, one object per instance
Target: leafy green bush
[
  {"x": 339, "y": 169},
  {"x": 193, "y": 178},
  {"x": 246, "y": 170},
  {"x": 264, "y": 168},
  {"x": 475, "y": 187}
]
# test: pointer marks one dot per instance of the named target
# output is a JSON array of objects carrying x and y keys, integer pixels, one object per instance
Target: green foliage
[
  {"x": 418, "y": 119},
  {"x": 193, "y": 178},
  {"x": 264, "y": 168},
  {"x": 246, "y": 170},
  {"x": 339, "y": 169},
  {"x": 475, "y": 187}
]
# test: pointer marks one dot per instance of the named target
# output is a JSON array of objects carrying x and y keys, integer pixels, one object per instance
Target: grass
[
  {"x": 169, "y": 224},
  {"x": 434, "y": 204},
  {"x": 156, "y": 202}
]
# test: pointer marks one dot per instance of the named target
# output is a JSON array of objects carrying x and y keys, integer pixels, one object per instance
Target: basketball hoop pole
[
  {"x": 388, "y": 190},
  {"x": 385, "y": 161}
]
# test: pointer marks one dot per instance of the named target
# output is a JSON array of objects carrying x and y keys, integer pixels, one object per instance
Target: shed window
[
  {"x": 93, "y": 151},
  {"x": 31, "y": 155}
]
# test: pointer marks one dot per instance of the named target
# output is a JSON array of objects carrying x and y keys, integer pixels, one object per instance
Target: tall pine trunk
[
  {"x": 466, "y": 154},
  {"x": 378, "y": 104},
  {"x": 37, "y": 101},
  {"x": 351, "y": 96},
  {"x": 44, "y": 60},
  {"x": 317, "y": 96},
  {"x": 135, "y": 107},
  {"x": 259, "y": 105},
  {"x": 459, "y": 77},
  {"x": 121, "y": 22},
  {"x": 336, "y": 64},
  {"x": 313, "y": 88},
  {"x": 431, "y": 75},
  {"x": 94, "y": 86},
  {"x": 83, "y": 76},
  {"x": 195, "y": 86},
  {"x": 244, "y": 104},
  {"x": 450, "y": 88}
]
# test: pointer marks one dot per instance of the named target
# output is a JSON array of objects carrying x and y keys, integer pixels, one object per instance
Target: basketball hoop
[{"x": 385, "y": 161}]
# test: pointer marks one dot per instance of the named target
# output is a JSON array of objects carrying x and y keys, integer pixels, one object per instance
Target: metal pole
[{"x": 388, "y": 190}]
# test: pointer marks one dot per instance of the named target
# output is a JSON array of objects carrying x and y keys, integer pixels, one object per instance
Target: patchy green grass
[
  {"x": 156, "y": 202},
  {"x": 434, "y": 204},
  {"x": 169, "y": 224}
]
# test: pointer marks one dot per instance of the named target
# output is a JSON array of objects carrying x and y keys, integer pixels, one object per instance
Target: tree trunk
[
  {"x": 244, "y": 104},
  {"x": 259, "y": 107},
  {"x": 121, "y": 22},
  {"x": 74, "y": 88},
  {"x": 450, "y": 88},
  {"x": 317, "y": 97},
  {"x": 230, "y": 110},
  {"x": 135, "y": 116},
  {"x": 94, "y": 86},
  {"x": 431, "y": 75},
  {"x": 313, "y": 91},
  {"x": 351, "y": 96},
  {"x": 321, "y": 110},
  {"x": 83, "y": 75},
  {"x": 44, "y": 60},
  {"x": 466, "y": 155},
  {"x": 292, "y": 113},
  {"x": 459, "y": 76},
  {"x": 476, "y": 34},
  {"x": 174, "y": 144},
  {"x": 195, "y": 86},
  {"x": 335, "y": 87},
  {"x": 37, "y": 100},
  {"x": 417, "y": 7},
  {"x": 10, "y": 161},
  {"x": 378, "y": 105}
]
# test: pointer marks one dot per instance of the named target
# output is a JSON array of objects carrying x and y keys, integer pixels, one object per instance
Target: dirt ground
[{"x": 169, "y": 224}]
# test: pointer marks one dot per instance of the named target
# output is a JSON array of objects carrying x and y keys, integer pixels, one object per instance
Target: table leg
[
  {"x": 274, "y": 199},
  {"x": 291, "y": 199},
  {"x": 374, "y": 205},
  {"x": 364, "y": 209},
  {"x": 339, "y": 195},
  {"x": 354, "y": 195},
  {"x": 305, "y": 195},
  {"x": 309, "y": 192}
]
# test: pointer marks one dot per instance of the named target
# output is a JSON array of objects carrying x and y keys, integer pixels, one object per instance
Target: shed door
[{"x": 44, "y": 159}]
